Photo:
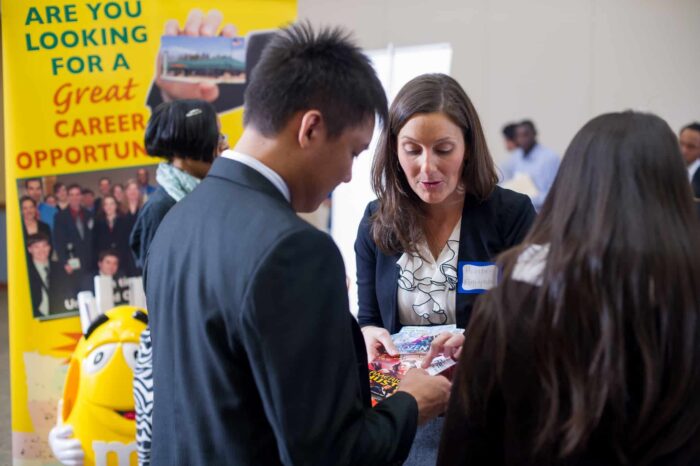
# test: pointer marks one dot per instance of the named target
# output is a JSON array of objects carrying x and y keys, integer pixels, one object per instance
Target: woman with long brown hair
[
  {"x": 111, "y": 233},
  {"x": 425, "y": 247},
  {"x": 133, "y": 202},
  {"x": 588, "y": 352},
  {"x": 31, "y": 225}
]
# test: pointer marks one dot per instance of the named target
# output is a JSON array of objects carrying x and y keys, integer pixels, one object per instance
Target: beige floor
[{"x": 5, "y": 436}]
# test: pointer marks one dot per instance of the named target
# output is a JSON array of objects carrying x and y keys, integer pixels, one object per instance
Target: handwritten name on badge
[{"x": 477, "y": 277}]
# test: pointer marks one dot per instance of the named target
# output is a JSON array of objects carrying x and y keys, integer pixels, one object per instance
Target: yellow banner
[{"x": 80, "y": 81}]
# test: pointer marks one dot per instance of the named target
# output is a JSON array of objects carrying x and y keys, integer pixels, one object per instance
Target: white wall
[{"x": 557, "y": 62}]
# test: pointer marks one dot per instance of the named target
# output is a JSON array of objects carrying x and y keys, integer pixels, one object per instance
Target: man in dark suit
[
  {"x": 689, "y": 140},
  {"x": 73, "y": 235},
  {"x": 256, "y": 357},
  {"x": 104, "y": 188},
  {"x": 49, "y": 285}
]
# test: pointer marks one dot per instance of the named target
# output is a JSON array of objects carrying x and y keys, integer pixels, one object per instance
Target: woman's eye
[
  {"x": 412, "y": 150},
  {"x": 443, "y": 150}
]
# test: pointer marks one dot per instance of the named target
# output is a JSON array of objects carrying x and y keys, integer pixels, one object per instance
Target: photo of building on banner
[{"x": 77, "y": 174}]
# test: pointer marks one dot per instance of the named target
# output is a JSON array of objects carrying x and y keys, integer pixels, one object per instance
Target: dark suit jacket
[
  {"x": 256, "y": 357},
  {"x": 117, "y": 239},
  {"x": 66, "y": 232},
  {"x": 42, "y": 228},
  {"x": 488, "y": 228},
  {"x": 695, "y": 184},
  {"x": 61, "y": 289}
]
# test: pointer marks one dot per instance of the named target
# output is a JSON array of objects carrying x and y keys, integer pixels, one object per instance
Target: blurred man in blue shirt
[
  {"x": 532, "y": 159},
  {"x": 34, "y": 188}
]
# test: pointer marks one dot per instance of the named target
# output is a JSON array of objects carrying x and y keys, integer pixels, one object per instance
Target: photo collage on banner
[{"x": 81, "y": 79}]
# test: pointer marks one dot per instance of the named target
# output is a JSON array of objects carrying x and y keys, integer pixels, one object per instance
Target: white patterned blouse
[{"x": 427, "y": 288}]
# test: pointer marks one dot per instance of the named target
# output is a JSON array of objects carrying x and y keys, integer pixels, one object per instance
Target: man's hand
[
  {"x": 196, "y": 25},
  {"x": 377, "y": 340},
  {"x": 431, "y": 393},
  {"x": 449, "y": 344}
]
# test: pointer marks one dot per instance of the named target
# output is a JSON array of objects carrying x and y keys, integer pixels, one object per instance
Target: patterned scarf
[{"x": 175, "y": 182}]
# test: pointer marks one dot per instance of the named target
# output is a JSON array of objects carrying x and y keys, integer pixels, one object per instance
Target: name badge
[
  {"x": 74, "y": 262},
  {"x": 476, "y": 277}
]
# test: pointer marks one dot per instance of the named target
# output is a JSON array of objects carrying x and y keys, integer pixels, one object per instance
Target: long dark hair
[
  {"x": 615, "y": 331},
  {"x": 396, "y": 225}
]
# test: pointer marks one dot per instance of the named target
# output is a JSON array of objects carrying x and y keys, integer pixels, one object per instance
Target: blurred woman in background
[
  {"x": 111, "y": 233},
  {"x": 61, "y": 193},
  {"x": 186, "y": 134},
  {"x": 31, "y": 225},
  {"x": 133, "y": 201}
]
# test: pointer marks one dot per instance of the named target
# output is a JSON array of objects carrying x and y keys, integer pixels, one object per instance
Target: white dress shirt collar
[{"x": 271, "y": 175}]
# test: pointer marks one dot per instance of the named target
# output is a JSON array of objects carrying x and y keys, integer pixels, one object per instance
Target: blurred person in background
[
  {"x": 186, "y": 134},
  {"x": 689, "y": 140},
  {"x": 533, "y": 160}
]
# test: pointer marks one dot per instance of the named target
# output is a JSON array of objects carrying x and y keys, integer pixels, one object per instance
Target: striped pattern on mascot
[{"x": 143, "y": 398}]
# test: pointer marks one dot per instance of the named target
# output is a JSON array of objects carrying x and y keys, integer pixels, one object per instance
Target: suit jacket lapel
[
  {"x": 393, "y": 323},
  {"x": 462, "y": 299},
  {"x": 696, "y": 183}
]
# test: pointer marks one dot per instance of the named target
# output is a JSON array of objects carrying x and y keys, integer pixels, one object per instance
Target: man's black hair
[
  {"x": 529, "y": 124},
  {"x": 37, "y": 237},
  {"x": 509, "y": 131},
  {"x": 183, "y": 128},
  {"x": 694, "y": 126},
  {"x": 74, "y": 186},
  {"x": 302, "y": 69},
  {"x": 28, "y": 180},
  {"x": 107, "y": 252}
]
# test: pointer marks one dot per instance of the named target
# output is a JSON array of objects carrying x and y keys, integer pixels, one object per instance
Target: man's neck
[
  {"x": 269, "y": 151},
  {"x": 527, "y": 152}
]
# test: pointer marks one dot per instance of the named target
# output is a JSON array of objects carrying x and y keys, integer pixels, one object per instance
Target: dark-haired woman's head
[
  {"x": 622, "y": 181},
  {"x": 28, "y": 208},
  {"x": 109, "y": 207},
  {"x": 183, "y": 129},
  {"x": 431, "y": 152},
  {"x": 615, "y": 329},
  {"x": 61, "y": 192}
]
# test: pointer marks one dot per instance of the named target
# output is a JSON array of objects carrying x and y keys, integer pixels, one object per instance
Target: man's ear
[{"x": 311, "y": 128}]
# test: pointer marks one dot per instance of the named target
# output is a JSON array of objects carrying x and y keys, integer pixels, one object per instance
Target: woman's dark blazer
[
  {"x": 488, "y": 228},
  {"x": 43, "y": 228},
  {"x": 147, "y": 222},
  {"x": 116, "y": 238}
]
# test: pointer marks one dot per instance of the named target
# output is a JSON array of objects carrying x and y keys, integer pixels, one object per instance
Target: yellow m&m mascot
[{"x": 96, "y": 420}]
